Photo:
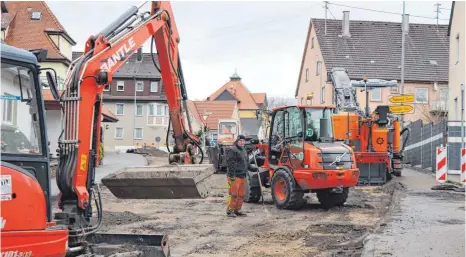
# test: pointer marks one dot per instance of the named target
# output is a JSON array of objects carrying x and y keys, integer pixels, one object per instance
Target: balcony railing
[
  {"x": 158, "y": 121},
  {"x": 439, "y": 106}
]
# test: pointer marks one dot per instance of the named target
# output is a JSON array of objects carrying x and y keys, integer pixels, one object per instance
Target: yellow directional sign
[
  {"x": 401, "y": 108},
  {"x": 398, "y": 99}
]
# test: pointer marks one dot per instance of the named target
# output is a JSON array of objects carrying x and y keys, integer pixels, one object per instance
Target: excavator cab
[{"x": 29, "y": 227}]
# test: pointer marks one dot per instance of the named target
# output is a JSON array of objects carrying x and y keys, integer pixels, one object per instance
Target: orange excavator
[{"x": 28, "y": 228}]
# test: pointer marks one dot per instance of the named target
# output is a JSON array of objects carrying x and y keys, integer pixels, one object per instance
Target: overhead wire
[{"x": 380, "y": 11}]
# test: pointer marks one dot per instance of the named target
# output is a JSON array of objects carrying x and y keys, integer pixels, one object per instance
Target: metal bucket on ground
[
  {"x": 163, "y": 182},
  {"x": 128, "y": 245}
]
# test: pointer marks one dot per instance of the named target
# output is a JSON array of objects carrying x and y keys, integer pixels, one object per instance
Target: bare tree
[
  {"x": 434, "y": 111},
  {"x": 280, "y": 101}
]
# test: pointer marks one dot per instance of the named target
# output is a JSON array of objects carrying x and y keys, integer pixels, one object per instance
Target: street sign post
[
  {"x": 398, "y": 99},
  {"x": 401, "y": 108}
]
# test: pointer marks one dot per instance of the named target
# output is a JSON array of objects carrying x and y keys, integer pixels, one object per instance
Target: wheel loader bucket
[
  {"x": 163, "y": 182},
  {"x": 128, "y": 245}
]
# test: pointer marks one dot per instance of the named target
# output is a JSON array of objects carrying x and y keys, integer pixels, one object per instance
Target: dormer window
[{"x": 35, "y": 16}]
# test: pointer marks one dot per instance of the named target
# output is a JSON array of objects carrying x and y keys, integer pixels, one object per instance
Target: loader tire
[
  {"x": 286, "y": 193},
  {"x": 253, "y": 190},
  {"x": 329, "y": 199}
]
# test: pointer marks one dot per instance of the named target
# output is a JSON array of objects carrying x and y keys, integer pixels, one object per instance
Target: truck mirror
[{"x": 52, "y": 84}]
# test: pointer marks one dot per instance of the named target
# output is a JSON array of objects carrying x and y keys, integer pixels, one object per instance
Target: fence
[{"x": 424, "y": 138}]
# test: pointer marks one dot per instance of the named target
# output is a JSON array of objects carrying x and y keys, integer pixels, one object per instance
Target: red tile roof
[
  {"x": 259, "y": 97},
  {"x": 48, "y": 97},
  {"x": 239, "y": 91},
  {"x": 218, "y": 109},
  {"x": 23, "y": 32},
  {"x": 192, "y": 109}
]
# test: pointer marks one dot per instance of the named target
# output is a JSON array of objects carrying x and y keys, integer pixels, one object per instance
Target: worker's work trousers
[{"x": 236, "y": 193}]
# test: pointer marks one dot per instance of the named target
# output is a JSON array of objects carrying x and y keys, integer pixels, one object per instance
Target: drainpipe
[{"x": 462, "y": 117}]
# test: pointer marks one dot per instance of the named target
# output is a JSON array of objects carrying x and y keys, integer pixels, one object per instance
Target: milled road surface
[
  {"x": 424, "y": 223},
  {"x": 200, "y": 227}
]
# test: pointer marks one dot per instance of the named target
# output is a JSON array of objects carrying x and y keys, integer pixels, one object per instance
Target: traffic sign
[
  {"x": 401, "y": 108},
  {"x": 398, "y": 99}
]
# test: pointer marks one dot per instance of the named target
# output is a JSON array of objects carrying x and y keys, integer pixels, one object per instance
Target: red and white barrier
[
  {"x": 463, "y": 166},
  {"x": 442, "y": 167}
]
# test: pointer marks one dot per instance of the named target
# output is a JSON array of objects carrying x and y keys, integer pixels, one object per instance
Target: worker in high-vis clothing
[{"x": 238, "y": 165}]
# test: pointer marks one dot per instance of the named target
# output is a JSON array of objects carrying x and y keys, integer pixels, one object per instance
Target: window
[
  {"x": 119, "y": 109},
  {"x": 319, "y": 67},
  {"x": 159, "y": 110},
  {"x": 376, "y": 94},
  {"x": 293, "y": 126},
  {"x": 154, "y": 86},
  {"x": 312, "y": 43},
  {"x": 35, "y": 16},
  {"x": 421, "y": 95},
  {"x": 138, "y": 133},
  {"x": 107, "y": 87},
  {"x": 151, "y": 109},
  {"x": 139, "y": 86},
  {"x": 443, "y": 94},
  {"x": 120, "y": 85},
  {"x": 166, "y": 111},
  {"x": 139, "y": 109},
  {"x": 457, "y": 48},
  {"x": 119, "y": 133},
  {"x": 322, "y": 95},
  {"x": 20, "y": 128},
  {"x": 307, "y": 75}
]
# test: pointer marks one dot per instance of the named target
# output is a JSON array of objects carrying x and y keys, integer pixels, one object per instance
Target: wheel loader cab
[{"x": 293, "y": 126}]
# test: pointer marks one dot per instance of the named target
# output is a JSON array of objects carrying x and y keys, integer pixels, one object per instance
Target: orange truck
[{"x": 374, "y": 136}]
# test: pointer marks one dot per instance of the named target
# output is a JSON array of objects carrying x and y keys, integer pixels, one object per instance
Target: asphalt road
[
  {"x": 112, "y": 163},
  {"x": 423, "y": 223}
]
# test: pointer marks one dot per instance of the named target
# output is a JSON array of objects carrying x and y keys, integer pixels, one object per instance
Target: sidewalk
[
  {"x": 423, "y": 223},
  {"x": 112, "y": 163}
]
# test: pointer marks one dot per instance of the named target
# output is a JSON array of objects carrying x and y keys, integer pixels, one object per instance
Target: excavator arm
[{"x": 81, "y": 101}]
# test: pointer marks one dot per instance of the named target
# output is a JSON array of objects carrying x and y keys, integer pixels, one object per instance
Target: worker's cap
[{"x": 240, "y": 137}]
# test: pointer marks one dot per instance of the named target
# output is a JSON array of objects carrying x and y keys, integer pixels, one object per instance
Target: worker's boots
[
  {"x": 231, "y": 214},
  {"x": 238, "y": 213}
]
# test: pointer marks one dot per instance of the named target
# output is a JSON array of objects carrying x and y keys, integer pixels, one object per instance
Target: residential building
[
  {"x": 457, "y": 76},
  {"x": 32, "y": 25},
  {"x": 214, "y": 111},
  {"x": 137, "y": 97},
  {"x": 53, "y": 115},
  {"x": 248, "y": 105},
  {"x": 373, "y": 49}
]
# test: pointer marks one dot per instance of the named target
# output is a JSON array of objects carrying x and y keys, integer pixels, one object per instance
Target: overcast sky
[{"x": 264, "y": 41}]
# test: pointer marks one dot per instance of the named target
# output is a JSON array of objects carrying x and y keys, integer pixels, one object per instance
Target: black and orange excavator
[{"x": 28, "y": 228}]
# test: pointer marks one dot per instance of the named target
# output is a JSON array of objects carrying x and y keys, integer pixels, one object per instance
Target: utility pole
[
  {"x": 403, "y": 20},
  {"x": 438, "y": 12},
  {"x": 326, "y": 8}
]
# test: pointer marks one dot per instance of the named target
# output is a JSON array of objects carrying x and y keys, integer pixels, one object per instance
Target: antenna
[
  {"x": 438, "y": 12},
  {"x": 326, "y": 8}
]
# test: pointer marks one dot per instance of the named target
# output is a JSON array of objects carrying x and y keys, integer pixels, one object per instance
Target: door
[
  {"x": 277, "y": 134},
  {"x": 294, "y": 148}
]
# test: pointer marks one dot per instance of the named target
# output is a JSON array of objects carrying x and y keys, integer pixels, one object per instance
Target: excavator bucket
[
  {"x": 163, "y": 182},
  {"x": 128, "y": 245}
]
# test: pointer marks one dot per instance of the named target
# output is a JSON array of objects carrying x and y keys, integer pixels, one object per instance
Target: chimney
[
  {"x": 345, "y": 24},
  {"x": 139, "y": 55},
  {"x": 405, "y": 24}
]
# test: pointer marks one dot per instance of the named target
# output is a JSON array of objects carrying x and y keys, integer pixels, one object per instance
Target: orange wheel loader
[{"x": 301, "y": 157}]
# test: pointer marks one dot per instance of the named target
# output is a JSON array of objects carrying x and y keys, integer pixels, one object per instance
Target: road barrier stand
[
  {"x": 442, "y": 166},
  {"x": 463, "y": 166}
]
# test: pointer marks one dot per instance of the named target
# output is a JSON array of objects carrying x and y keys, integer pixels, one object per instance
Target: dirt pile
[{"x": 149, "y": 151}]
